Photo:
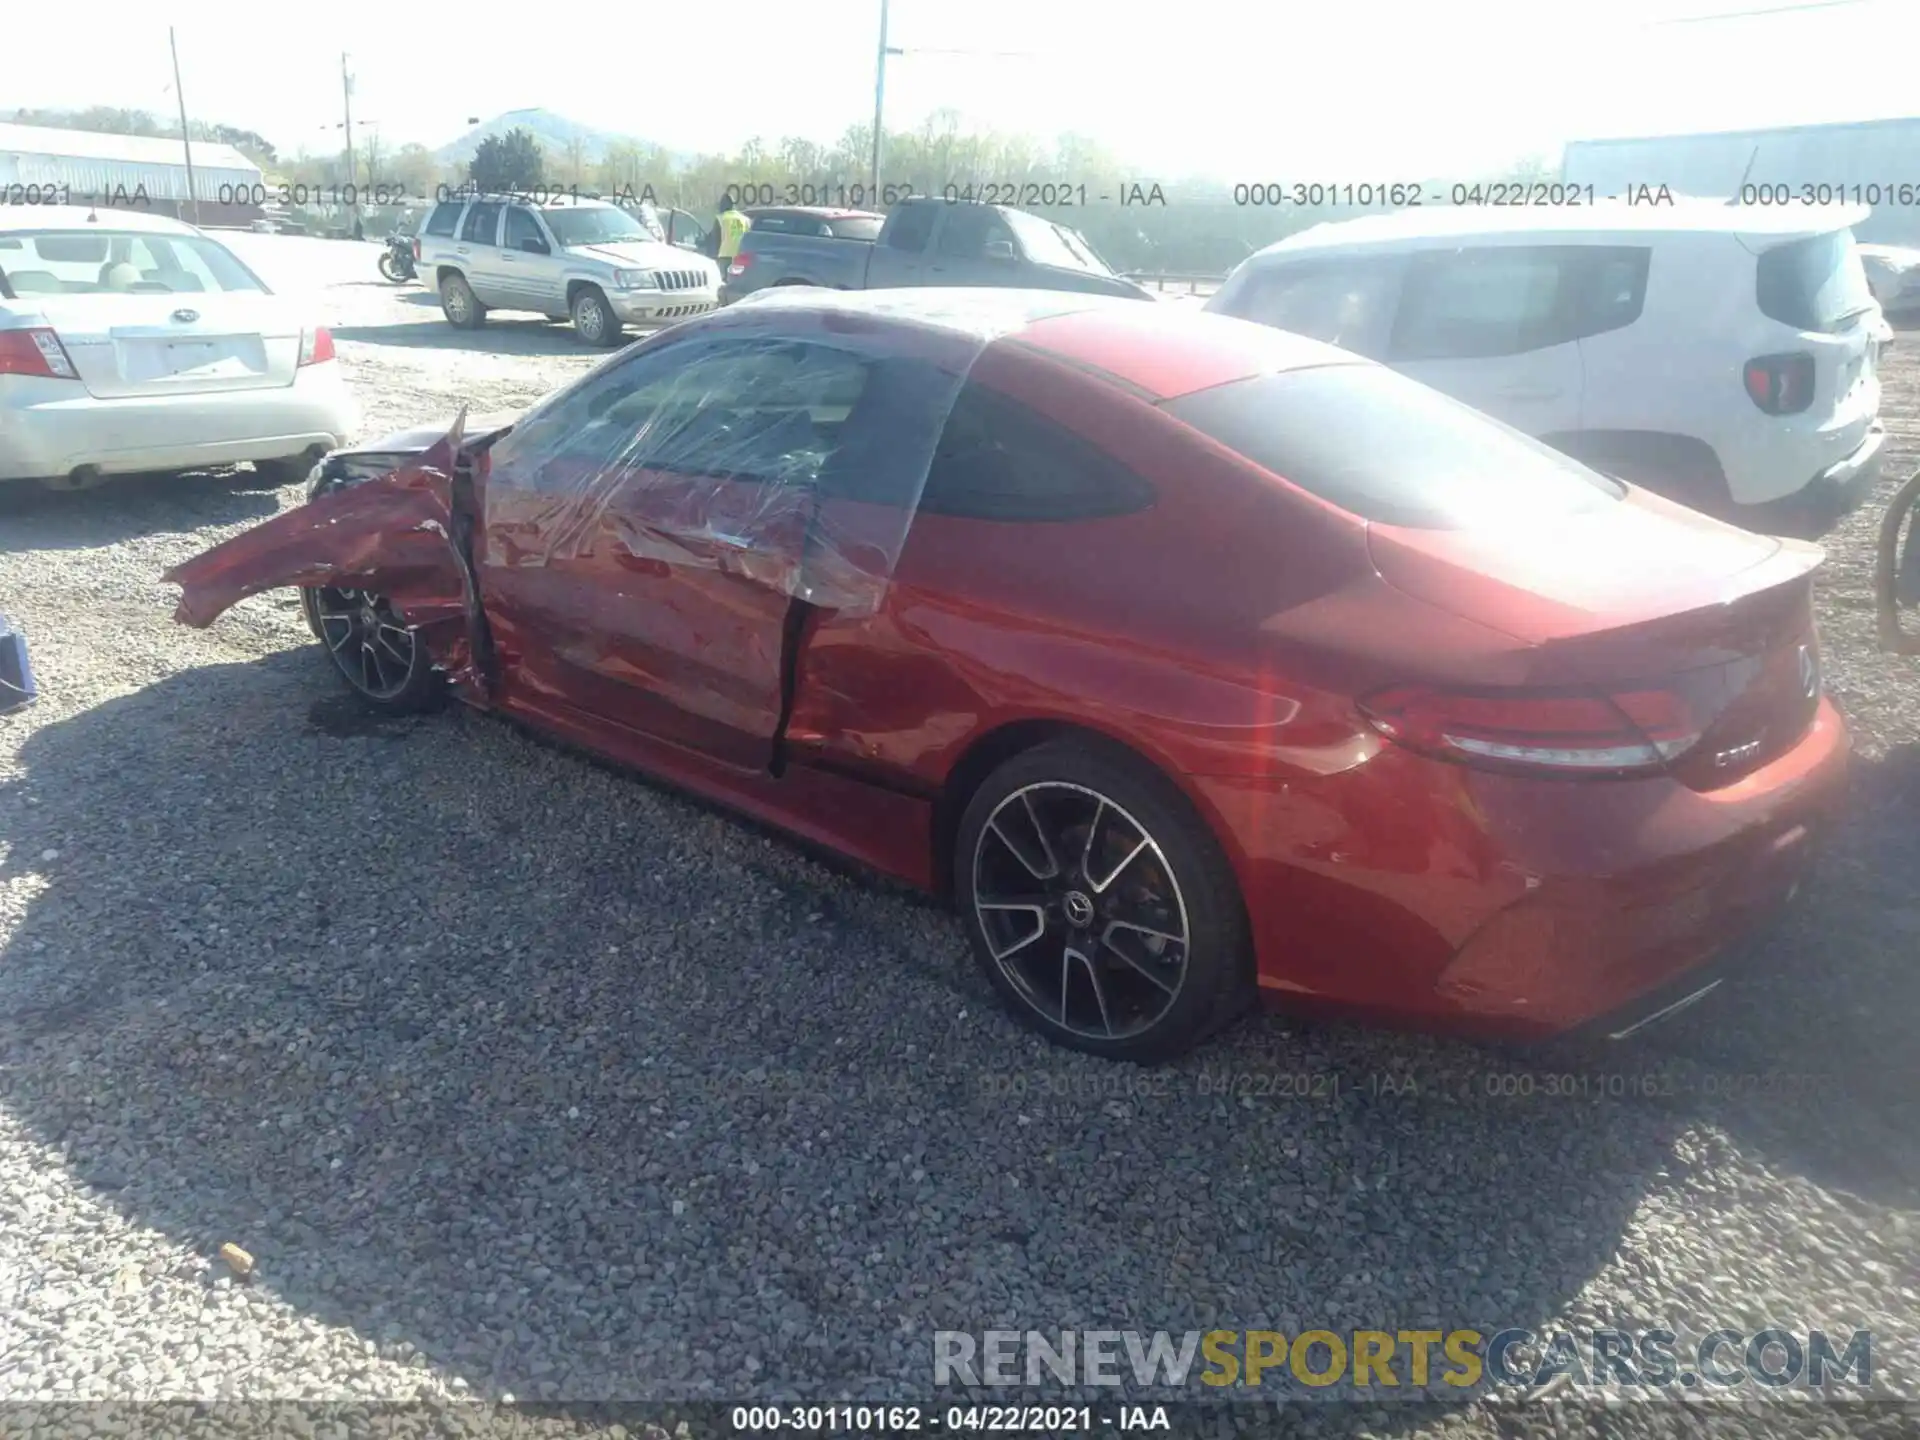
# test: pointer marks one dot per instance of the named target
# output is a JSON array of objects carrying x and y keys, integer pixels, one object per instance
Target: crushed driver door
[{"x": 647, "y": 541}]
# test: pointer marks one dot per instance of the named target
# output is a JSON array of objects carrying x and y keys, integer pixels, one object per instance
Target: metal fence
[{"x": 1178, "y": 283}]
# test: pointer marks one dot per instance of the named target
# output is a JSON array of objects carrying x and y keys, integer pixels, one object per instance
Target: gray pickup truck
[{"x": 929, "y": 242}]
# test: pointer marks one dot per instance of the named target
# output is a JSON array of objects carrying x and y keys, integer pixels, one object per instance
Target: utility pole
[
  {"x": 346, "y": 95},
  {"x": 186, "y": 141},
  {"x": 879, "y": 105}
]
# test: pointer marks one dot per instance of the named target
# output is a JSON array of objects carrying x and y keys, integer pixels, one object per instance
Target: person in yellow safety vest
[{"x": 733, "y": 227}]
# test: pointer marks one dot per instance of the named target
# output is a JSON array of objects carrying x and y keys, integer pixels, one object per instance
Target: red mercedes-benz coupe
[{"x": 1196, "y": 661}]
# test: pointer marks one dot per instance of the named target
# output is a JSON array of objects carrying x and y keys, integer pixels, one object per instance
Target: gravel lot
[{"x": 520, "y": 1076}]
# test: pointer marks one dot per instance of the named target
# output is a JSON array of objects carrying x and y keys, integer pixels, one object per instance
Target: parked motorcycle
[{"x": 396, "y": 261}]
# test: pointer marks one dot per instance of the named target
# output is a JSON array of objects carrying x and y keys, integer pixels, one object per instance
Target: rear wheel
[
  {"x": 460, "y": 305},
  {"x": 593, "y": 318},
  {"x": 287, "y": 470},
  {"x": 1100, "y": 906},
  {"x": 373, "y": 649}
]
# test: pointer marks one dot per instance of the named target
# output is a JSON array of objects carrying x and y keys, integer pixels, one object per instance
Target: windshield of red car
[{"x": 1387, "y": 448}]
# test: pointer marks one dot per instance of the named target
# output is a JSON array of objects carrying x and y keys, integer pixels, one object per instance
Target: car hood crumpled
[{"x": 401, "y": 535}]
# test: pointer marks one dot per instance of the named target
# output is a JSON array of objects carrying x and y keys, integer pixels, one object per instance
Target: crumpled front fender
[{"x": 400, "y": 536}]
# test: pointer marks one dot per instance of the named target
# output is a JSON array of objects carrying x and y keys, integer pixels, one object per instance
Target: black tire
[
  {"x": 410, "y": 688},
  {"x": 1894, "y": 636},
  {"x": 460, "y": 305},
  {"x": 593, "y": 318},
  {"x": 287, "y": 470},
  {"x": 1175, "y": 871},
  {"x": 391, "y": 270}
]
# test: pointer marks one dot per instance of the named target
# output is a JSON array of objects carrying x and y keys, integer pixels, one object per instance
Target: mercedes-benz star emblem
[
  {"x": 186, "y": 317},
  {"x": 1809, "y": 672}
]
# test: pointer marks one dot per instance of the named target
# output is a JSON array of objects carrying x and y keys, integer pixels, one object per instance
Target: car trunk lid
[
  {"x": 1702, "y": 633},
  {"x": 176, "y": 344}
]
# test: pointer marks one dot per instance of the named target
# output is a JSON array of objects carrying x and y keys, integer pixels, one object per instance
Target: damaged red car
[{"x": 1198, "y": 663}]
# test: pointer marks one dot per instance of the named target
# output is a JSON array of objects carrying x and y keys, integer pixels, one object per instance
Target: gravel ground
[{"x": 519, "y": 1076}]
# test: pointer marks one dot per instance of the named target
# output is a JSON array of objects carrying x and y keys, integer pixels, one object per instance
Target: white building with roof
[{"x": 42, "y": 164}]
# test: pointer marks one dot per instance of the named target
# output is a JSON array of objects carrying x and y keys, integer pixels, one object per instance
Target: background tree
[
  {"x": 508, "y": 162},
  {"x": 414, "y": 170}
]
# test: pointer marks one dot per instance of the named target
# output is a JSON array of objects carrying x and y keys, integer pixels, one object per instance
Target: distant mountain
[{"x": 554, "y": 133}]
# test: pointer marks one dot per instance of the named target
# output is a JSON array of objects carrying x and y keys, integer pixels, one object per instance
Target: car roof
[
  {"x": 1156, "y": 350},
  {"x": 818, "y": 212},
  {"x": 18, "y": 218},
  {"x": 1415, "y": 227},
  {"x": 538, "y": 200}
]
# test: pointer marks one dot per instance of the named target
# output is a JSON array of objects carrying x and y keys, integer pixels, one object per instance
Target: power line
[{"x": 1768, "y": 10}]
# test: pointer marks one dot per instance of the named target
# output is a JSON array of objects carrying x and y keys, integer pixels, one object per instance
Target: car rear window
[
  {"x": 1387, "y": 448},
  {"x": 445, "y": 216},
  {"x": 1814, "y": 284},
  {"x": 108, "y": 262},
  {"x": 857, "y": 227}
]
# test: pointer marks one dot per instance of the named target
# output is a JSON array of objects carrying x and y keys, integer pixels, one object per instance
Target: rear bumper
[
  {"x": 1512, "y": 909},
  {"x": 1609, "y": 946},
  {"x": 1841, "y": 487},
  {"x": 47, "y": 432}
]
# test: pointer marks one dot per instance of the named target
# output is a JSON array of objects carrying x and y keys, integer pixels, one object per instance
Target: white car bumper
[
  {"x": 47, "y": 431},
  {"x": 646, "y": 307}
]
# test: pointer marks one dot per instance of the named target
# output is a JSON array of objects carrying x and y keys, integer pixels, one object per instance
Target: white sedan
[{"x": 130, "y": 342}]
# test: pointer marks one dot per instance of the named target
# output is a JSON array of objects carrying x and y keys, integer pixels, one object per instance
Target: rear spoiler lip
[{"x": 1789, "y": 562}]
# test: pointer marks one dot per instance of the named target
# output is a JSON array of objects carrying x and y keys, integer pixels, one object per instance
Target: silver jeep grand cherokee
[{"x": 562, "y": 257}]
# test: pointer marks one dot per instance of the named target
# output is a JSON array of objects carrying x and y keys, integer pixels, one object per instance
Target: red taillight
[
  {"x": 416, "y": 249},
  {"x": 1780, "y": 384},
  {"x": 739, "y": 265},
  {"x": 35, "y": 352},
  {"x": 316, "y": 345},
  {"x": 1559, "y": 732}
]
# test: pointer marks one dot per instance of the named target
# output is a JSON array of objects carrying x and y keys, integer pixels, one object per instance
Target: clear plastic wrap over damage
[{"x": 793, "y": 459}]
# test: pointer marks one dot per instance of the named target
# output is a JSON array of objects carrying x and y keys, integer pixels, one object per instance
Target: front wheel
[
  {"x": 593, "y": 318},
  {"x": 390, "y": 268},
  {"x": 1100, "y": 906},
  {"x": 373, "y": 649}
]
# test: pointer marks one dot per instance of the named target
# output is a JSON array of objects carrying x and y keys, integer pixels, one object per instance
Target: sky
[{"x": 1248, "y": 90}]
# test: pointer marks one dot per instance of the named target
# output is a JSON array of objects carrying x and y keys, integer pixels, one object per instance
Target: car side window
[
  {"x": 912, "y": 228},
  {"x": 999, "y": 460},
  {"x": 767, "y": 412},
  {"x": 482, "y": 226},
  {"x": 444, "y": 219},
  {"x": 1614, "y": 288},
  {"x": 522, "y": 227},
  {"x": 1478, "y": 303},
  {"x": 754, "y": 411},
  {"x": 969, "y": 228},
  {"x": 1348, "y": 303}
]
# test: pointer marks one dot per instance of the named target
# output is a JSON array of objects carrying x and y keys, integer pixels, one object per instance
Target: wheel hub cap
[{"x": 1080, "y": 910}]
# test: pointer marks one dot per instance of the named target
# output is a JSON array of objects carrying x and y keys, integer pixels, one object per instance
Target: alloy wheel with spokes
[
  {"x": 1081, "y": 911},
  {"x": 371, "y": 646}
]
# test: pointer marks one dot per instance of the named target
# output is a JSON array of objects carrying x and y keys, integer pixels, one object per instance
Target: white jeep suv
[
  {"x": 1722, "y": 355},
  {"x": 561, "y": 257}
]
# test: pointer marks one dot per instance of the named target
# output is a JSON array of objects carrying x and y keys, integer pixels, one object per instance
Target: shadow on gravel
[
  {"x": 1812, "y": 1057},
  {"x": 584, "y": 1093},
  {"x": 36, "y": 518},
  {"x": 518, "y": 336}
]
